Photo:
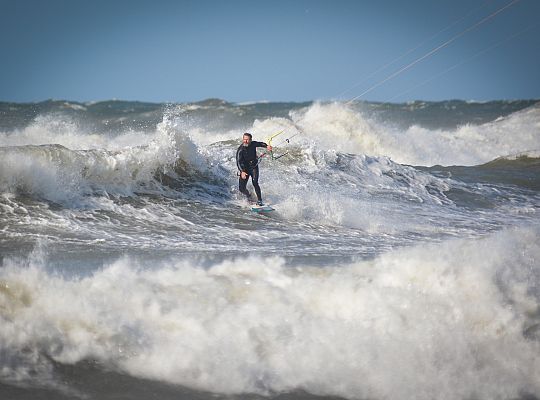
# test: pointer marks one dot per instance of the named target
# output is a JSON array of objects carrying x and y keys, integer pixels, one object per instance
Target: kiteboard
[{"x": 261, "y": 209}]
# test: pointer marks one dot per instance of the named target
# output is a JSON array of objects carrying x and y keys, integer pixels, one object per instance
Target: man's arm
[
  {"x": 240, "y": 163},
  {"x": 262, "y": 144}
]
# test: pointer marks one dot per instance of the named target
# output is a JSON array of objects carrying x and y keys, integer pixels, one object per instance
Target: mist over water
[{"x": 401, "y": 261}]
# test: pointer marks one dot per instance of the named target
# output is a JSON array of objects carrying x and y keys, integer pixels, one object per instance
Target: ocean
[{"x": 402, "y": 260}]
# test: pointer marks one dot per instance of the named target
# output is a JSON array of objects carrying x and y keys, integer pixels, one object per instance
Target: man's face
[{"x": 246, "y": 140}]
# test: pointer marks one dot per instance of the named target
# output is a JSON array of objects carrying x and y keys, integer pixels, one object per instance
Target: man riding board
[{"x": 248, "y": 165}]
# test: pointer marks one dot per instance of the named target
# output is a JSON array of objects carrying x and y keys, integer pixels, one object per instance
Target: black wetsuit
[{"x": 247, "y": 161}]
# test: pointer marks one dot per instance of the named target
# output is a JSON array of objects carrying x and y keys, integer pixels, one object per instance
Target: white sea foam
[
  {"x": 318, "y": 182},
  {"x": 451, "y": 320},
  {"x": 68, "y": 132},
  {"x": 42, "y": 166},
  {"x": 443, "y": 321},
  {"x": 332, "y": 188},
  {"x": 63, "y": 174},
  {"x": 522, "y": 154},
  {"x": 337, "y": 126}
]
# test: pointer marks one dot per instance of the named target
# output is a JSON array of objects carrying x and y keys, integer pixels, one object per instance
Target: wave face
[{"x": 401, "y": 261}]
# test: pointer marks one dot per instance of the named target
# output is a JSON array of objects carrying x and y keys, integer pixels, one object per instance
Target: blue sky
[{"x": 268, "y": 50}]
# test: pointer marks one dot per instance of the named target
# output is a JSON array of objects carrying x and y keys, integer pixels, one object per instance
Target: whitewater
[{"x": 401, "y": 261}]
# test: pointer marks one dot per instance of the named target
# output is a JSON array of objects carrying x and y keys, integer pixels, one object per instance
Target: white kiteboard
[{"x": 261, "y": 209}]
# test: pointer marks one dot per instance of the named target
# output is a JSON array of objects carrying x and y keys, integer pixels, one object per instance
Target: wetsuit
[{"x": 247, "y": 161}]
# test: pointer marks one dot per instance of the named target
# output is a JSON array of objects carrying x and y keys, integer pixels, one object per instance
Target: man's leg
[
  {"x": 242, "y": 183},
  {"x": 255, "y": 182}
]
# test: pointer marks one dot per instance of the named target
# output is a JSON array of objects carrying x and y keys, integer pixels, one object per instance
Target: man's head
[{"x": 246, "y": 139}]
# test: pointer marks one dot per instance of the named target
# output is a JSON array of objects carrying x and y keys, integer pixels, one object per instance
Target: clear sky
[{"x": 294, "y": 50}]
